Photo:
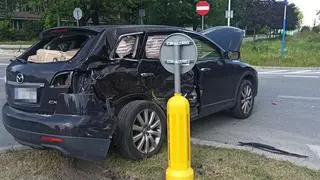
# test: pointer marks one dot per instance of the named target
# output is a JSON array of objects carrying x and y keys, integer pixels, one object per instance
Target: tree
[{"x": 269, "y": 13}]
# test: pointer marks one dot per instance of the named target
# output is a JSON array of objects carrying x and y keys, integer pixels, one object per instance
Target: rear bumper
[{"x": 83, "y": 137}]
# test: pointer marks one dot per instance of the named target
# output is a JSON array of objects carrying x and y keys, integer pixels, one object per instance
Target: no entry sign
[{"x": 203, "y": 8}]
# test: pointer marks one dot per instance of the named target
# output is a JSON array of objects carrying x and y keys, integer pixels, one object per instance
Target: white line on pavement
[
  {"x": 299, "y": 97},
  {"x": 299, "y": 76},
  {"x": 271, "y": 72},
  {"x": 298, "y": 72},
  {"x": 4, "y": 64}
]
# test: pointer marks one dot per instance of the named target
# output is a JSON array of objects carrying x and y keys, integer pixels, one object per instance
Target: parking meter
[{"x": 178, "y": 55}]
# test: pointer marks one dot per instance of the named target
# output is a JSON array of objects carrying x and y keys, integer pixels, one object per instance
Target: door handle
[
  {"x": 205, "y": 69},
  {"x": 147, "y": 74}
]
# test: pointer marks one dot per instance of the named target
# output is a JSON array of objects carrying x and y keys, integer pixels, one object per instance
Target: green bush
[
  {"x": 29, "y": 32},
  {"x": 316, "y": 29},
  {"x": 305, "y": 29},
  {"x": 5, "y": 31}
]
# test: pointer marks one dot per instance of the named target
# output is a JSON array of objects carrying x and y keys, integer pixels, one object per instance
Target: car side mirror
[{"x": 233, "y": 55}]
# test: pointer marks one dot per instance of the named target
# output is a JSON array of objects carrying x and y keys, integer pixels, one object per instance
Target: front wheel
[
  {"x": 141, "y": 129},
  {"x": 244, "y": 100}
]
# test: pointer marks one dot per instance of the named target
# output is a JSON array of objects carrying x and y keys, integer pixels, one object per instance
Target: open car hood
[{"x": 228, "y": 38}]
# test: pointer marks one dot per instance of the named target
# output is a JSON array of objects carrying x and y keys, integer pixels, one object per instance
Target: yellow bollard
[{"x": 179, "y": 155}]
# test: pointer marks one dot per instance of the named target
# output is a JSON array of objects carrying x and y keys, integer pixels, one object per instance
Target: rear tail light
[
  {"x": 49, "y": 139},
  {"x": 62, "y": 80}
]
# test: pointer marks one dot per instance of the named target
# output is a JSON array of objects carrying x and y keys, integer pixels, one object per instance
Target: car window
[
  {"x": 153, "y": 45},
  {"x": 205, "y": 50},
  {"x": 127, "y": 47}
]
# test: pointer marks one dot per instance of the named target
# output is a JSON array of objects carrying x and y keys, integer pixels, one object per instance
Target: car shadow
[{"x": 212, "y": 121}]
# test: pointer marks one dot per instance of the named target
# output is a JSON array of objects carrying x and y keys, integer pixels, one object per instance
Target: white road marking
[
  {"x": 298, "y": 72},
  {"x": 4, "y": 64},
  {"x": 288, "y": 72},
  {"x": 300, "y": 76},
  {"x": 272, "y": 72},
  {"x": 1, "y": 78},
  {"x": 299, "y": 97},
  {"x": 315, "y": 149}
]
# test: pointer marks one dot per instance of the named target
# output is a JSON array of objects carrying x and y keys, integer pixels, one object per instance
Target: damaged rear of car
[{"x": 48, "y": 107}]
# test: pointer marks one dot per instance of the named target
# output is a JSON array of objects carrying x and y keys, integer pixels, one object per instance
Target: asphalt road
[{"x": 286, "y": 115}]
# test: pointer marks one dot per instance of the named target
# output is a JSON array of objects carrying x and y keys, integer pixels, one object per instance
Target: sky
[{"x": 308, "y": 8}]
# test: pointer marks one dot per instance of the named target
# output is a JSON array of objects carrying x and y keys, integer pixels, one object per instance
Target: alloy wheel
[
  {"x": 146, "y": 131},
  {"x": 246, "y": 99}
]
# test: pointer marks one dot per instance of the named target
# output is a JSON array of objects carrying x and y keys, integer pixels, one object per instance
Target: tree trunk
[
  {"x": 58, "y": 20},
  {"x": 95, "y": 18}
]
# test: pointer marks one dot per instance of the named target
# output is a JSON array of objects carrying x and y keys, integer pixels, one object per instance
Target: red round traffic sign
[{"x": 203, "y": 8}]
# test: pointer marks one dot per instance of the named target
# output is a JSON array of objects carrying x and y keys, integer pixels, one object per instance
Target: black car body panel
[{"x": 78, "y": 99}]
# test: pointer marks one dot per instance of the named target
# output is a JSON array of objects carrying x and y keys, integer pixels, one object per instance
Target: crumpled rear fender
[{"x": 98, "y": 118}]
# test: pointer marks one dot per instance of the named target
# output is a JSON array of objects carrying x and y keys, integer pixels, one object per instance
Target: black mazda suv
[{"x": 79, "y": 89}]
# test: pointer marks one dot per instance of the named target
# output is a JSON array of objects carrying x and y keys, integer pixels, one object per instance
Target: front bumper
[{"x": 84, "y": 137}]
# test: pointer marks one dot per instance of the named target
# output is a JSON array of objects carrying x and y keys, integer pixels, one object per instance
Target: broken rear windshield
[{"x": 56, "y": 49}]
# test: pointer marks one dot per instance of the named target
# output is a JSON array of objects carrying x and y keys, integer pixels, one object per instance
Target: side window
[
  {"x": 205, "y": 50},
  {"x": 127, "y": 47},
  {"x": 153, "y": 45}
]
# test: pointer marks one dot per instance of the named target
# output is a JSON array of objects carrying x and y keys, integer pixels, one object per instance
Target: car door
[
  {"x": 155, "y": 78},
  {"x": 213, "y": 77}
]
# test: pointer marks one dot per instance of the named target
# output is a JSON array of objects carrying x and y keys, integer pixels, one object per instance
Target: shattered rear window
[{"x": 56, "y": 49}]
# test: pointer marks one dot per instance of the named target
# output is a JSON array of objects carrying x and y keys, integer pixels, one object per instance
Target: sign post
[
  {"x": 229, "y": 12},
  {"x": 284, "y": 27},
  {"x": 77, "y": 14},
  {"x": 178, "y": 55},
  {"x": 203, "y": 8}
]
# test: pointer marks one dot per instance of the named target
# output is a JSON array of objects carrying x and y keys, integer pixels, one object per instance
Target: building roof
[{"x": 25, "y": 15}]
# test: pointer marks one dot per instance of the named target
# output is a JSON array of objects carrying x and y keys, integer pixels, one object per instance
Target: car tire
[
  {"x": 141, "y": 129},
  {"x": 244, "y": 100}
]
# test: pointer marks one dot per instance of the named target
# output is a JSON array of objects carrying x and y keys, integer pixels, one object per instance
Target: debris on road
[
  {"x": 275, "y": 102},
  {"x": 271, "y": 149}
]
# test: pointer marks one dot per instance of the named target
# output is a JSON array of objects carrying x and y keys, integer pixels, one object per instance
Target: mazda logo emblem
[{"x": 20, "y": 78}]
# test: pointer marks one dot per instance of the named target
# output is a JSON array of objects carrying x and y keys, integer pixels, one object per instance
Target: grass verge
[
  {"x": 302, "y": 50},
  {"x": 208, "y": 163}
]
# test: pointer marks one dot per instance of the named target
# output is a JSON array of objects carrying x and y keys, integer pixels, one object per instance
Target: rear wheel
[
  {"x": 141, "y": 129},
  {"x": 244, "y": 100}
]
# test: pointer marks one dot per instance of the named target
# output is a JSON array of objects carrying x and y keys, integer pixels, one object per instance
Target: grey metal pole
[
  {"x": 229, "y": 12},
  {"x": 78, "y": 23},
  {"x": 177, "y": 75},
  {"x": 202, "y": 26}
]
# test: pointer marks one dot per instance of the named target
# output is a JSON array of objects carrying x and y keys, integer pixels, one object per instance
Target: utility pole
[
  {"x": 284, "y": 27},
  {"x": 229, "y": 12}
]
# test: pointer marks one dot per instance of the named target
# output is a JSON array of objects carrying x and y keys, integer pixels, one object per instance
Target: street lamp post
[{"x": 284, "y": 27}]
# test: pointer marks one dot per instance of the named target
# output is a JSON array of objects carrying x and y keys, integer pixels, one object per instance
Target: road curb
[
  {"x": 14, "y": 47},
  {"x": 13, "y": 148},
  {"x": 289, "y": 68},
  {"x": 294, "y": 160}
]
